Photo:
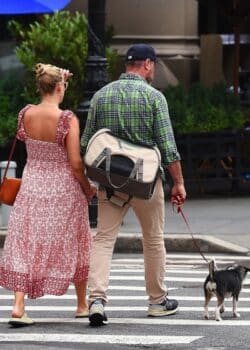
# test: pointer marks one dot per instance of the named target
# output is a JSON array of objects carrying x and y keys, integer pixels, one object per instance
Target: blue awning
[{"x": 17, "y": 7}]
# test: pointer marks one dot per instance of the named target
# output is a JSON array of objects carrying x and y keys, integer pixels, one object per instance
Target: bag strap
[
  {"x": 110, "y": 193},
  {"x": 134, "y": 171},
  {"x": 10, "y": 157}
]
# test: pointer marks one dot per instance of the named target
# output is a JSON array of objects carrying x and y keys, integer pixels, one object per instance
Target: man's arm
[
  {"x": 163, "y": 131},
  {"x": 90, "y": 126},
  {"x": 166, "y": 142},
  {"x": 178, "y": 192}
]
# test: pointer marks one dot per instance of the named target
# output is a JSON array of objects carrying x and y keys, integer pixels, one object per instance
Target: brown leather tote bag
[{"x": 9, "y": 186}]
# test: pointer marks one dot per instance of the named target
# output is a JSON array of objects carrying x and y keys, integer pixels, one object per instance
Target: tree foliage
[
  {"x": 203, "y": 109},
  {"x": 59, "y": 39}
]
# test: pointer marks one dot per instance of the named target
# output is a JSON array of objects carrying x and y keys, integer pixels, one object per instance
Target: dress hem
[{"x": 36, "y": 288}]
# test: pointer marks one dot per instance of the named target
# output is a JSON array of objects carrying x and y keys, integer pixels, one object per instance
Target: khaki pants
[{"x": 150, "y": 214}]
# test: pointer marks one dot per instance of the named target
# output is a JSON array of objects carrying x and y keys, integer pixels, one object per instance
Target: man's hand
[{"x": 178, "y": 194}]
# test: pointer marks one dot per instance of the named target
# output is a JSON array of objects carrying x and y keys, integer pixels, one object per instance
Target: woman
[{"x": 48, "y": 240}]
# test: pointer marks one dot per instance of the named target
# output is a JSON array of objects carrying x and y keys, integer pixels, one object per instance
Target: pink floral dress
[{"x": 48, "y": 240}]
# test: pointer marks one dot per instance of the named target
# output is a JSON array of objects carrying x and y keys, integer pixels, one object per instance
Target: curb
[{"x": 132, "y": 243}]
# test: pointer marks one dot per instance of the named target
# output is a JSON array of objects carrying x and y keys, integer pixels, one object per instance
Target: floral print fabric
[{"x": 48, "y": 240}]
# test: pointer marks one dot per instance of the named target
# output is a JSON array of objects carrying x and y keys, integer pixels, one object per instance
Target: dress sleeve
[
  {"x": 63, "y": 127},
  {"x": 21, "y": 134}
]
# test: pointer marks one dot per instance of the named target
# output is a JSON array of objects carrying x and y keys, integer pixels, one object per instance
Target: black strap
[{"x": 137, "y": 168}]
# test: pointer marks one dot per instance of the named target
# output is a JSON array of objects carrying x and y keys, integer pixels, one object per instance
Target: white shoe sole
[{"x": 161, "y": 313}]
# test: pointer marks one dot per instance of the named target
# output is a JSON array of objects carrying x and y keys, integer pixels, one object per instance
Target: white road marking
[
  {"x": 120, "y": 297},
  {"x": 112, "y": 308},
  {"x": 141, "y": 278},
  {"x": 141, "y": 266},
  {"x": 132, "y": 288},
  {"x": 189, "y": 256},
  {"x": 97, "y": 338},
  {"x": 179, "y": 271},
  {"x": 188, "y": 262},
  {"x": 145, "y": 321},
  {"x": 168, "y": 278}
]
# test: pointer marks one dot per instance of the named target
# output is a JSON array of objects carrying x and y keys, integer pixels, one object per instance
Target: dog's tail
[{"x": 212, "y": 269}]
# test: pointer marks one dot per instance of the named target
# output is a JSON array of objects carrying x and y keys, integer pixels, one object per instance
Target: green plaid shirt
[{"x": 135, "y": 111}]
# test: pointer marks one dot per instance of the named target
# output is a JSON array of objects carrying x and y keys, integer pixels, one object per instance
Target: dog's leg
[
  {"x": 235, "y": 302},
  {"x": 222, "y": 308},
  {"x": 208, "y": 297},
  {"x": 220, "y": 301}
]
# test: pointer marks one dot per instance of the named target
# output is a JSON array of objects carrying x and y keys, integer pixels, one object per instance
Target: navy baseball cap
[{"x": 140, "y": 52}]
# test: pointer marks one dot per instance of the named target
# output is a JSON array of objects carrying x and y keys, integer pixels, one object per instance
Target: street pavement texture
[{"x": 129, "y": 327}]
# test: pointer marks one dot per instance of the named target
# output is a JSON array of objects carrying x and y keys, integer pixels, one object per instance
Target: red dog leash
[{"x": 180, "y": 211}]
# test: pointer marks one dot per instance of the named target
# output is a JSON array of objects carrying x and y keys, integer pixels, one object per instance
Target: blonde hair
[{"x": 47, "y": 76}]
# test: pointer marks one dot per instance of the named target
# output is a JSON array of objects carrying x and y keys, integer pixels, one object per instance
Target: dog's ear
[
  {"x": 243, "y": 270},
  {"x": 247, "y": 269}
]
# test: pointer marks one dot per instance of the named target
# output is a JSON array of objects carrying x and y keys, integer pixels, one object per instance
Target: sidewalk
[{"x": 220, "y": 225}]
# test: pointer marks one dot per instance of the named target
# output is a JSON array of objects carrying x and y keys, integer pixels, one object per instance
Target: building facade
[{"x": 171, "y": 26}]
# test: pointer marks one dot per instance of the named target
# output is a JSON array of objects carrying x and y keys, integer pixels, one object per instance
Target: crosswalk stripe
[
  {"x": 97, "y": 338},
  {"x": 119, "y": 297},
  {"x": 191, "y": 262},
  {"x": 168, "y": 278},
  {"x": 131, "y": 288},
  {"x": 112, "y": 308},
  {"x": 141, "y": 266},
  {"x": 208, "y": 255},
  {"x": 191, "y": 272},
  {"x": 202, "y": 262},
  {"x": 189, "y": 257},
  {"x": 141, "y": 278},
  {"x": 145, "y": 321}
]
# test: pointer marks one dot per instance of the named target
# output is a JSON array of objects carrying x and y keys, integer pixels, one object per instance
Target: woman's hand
[{"x": 90, "y": 192}]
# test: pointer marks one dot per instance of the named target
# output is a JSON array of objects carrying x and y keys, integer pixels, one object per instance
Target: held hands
[{"x": 90, "y": 192}]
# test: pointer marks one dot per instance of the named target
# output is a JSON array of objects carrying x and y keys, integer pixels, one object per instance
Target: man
[{"x": 135, "y": 111}]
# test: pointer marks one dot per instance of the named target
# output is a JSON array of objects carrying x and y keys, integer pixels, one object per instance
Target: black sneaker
[
  {"x": 97, "y": 316},
  {"x": 167, "y": 307}
]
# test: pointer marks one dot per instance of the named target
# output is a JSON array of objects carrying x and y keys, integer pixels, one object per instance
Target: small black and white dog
[{"x": 223, "y": 284}]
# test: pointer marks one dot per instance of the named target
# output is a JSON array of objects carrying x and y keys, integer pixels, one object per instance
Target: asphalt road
[{"x": 129, "y": 327}]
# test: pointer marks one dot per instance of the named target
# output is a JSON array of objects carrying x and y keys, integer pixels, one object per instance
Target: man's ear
[{"x": 147, "y": 64}]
